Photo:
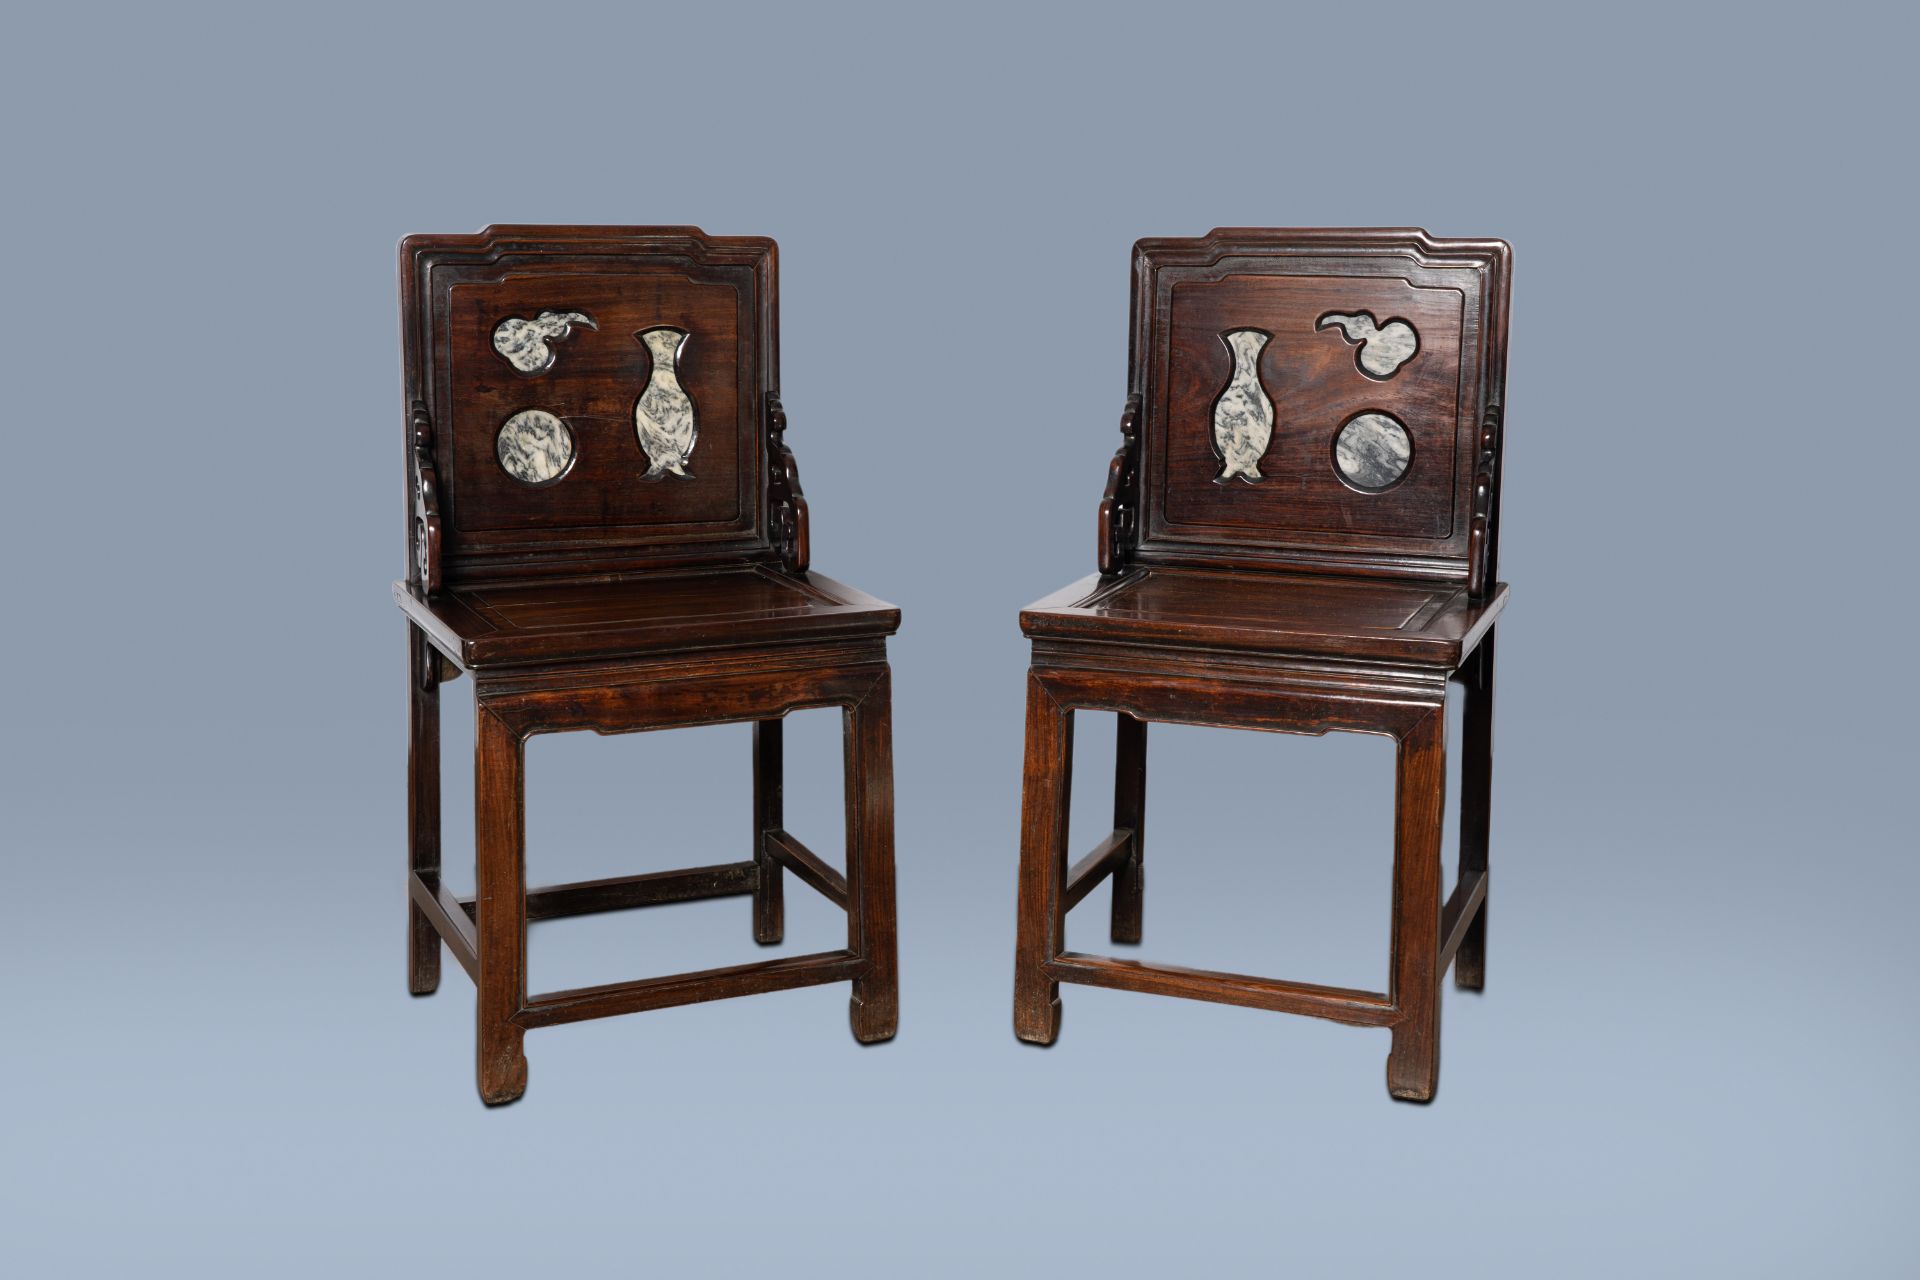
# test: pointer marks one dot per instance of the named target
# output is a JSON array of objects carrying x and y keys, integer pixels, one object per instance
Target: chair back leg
[
  {"x": 769, "y": 791},
  {"x": 1130, "y": 814},
  {"x": 423, "y": 806},
  {"x": 1476, "y": 808}
]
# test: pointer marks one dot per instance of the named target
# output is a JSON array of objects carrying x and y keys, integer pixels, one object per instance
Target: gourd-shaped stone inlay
[
  {"x": 1372, "y": 451},
  {"x": 524, "y": 343},
  {"x": 1243, "y": 415},
  {"x": 1383, "y": 349},
  {"x": 663, "y": 415},
  {"x": 535, "y": 447}
]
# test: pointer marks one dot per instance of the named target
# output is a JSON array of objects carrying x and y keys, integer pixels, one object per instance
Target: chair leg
[
  {"x": 1420, "y": 792},
  {"x": 872, "y": 928},
  {"x": 500, "y": 922},
  {"x": 423, "y": 805},
  {"x": 769, "y": 904},
  {"x": 1130, "y": 812},
  {"x": 1048, "y": 789},
  {"x": 1476, "y": 808}
]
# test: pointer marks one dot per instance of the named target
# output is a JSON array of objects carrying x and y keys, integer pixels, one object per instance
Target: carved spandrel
[
  {"x": 1120, "y": 504},
  {"x": 787, "y": 503},
  {"x": 1480, "y": 541},
  {"x": 426, "y": 502}
]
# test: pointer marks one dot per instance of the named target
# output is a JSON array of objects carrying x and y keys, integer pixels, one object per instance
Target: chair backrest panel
[
  {"x": 1315, "y": 399},
  {"x": 597, "y": 395}
]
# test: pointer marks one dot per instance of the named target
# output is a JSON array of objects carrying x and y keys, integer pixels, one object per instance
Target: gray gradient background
[{"x": 1691, "y": 1057}]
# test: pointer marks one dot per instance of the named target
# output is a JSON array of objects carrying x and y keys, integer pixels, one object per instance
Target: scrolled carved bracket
[
  {"x": 1120, "y": 506},
  {"x": 1480, "y": 566},
  {"x": 426, "y": 502},
  {"x": 787, "y": 503}
]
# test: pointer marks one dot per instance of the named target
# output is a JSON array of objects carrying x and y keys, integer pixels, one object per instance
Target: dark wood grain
[
  {"x": 1420, "y": 792},
  {"x": 1130, "y": 815},
  {"x": 500, "y": 904},
  {"x": 612, "y": 603},
  {"x": 1476, "y": 808},
  {"x": 872, "y": 929},
  {"x": 788, "y": 852},
  {"x": 769, "y": 816},
  {"x": 1294, "y": 602},
  {"x": 423, "y": 807},
  {"x": 1046, "y": 797}
]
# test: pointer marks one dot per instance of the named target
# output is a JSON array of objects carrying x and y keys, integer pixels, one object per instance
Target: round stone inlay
[
  {"x": 1372, "y": 452},
  {"x": 535, "y": 447}
]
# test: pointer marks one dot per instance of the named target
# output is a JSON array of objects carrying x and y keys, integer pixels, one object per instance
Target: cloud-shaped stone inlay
[
  {"x": 535, "y": 447},
  {"x": 1372, "y": 451},
  {"x": 523, "y": 343},
  {"x": 1383, "y": 349}
]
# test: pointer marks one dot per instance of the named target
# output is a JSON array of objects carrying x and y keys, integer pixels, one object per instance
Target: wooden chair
[
  {"x": 607, "y": 532},
  {"x": 1299, "y": 534}
]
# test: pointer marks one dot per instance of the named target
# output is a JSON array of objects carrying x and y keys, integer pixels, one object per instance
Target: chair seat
[
  {"x": 1424, "y": 623},
  {"x": 507, "y": 623}
]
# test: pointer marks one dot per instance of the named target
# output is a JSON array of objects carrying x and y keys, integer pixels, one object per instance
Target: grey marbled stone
[
  {"x": 523, "y": 343},
  {"x": 1243, "y": 415},
  {"x": 663, "y": 415},
  {"x": 1372, "y": 451},
  {"x": 535, "y": 447},
  {"x": 1382, "y": 350}
]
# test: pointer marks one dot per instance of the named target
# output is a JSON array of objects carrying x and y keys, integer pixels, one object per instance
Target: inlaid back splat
[
  {"x": 595, "y": 516},
  {"x": 1388, "y": 335}
]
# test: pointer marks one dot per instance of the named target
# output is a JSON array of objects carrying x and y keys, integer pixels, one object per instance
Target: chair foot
[
  {"x": 1037, "y": 1022},
  {"x": 1470, "y": 962},
  {"x": 423, "y": 954},
  {"x": 875, "y": 1018},
  {"x": 1413, "y": 1066},
  {"x": 503, "y": 1073},
  {"x": 768, "y": 935}
]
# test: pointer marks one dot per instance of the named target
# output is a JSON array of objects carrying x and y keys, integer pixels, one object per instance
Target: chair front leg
[
  {"x": 1476, "y": 808},
  {"x": 872, "y": 929},
  {"x": 1130, "y": 813},
  {"x": 1420, "y": 792},
  {"x": 423, "y": 806},
  {"x": 500, "y": 906},
  {"x": 769, "y": 790},
  {"x": 1046, "y": 795}
]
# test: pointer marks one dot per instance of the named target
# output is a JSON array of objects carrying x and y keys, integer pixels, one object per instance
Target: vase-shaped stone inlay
[
  {"x": 525, "y": 344},
  {"x": 535, "y": 447},
  {"x": 663, "y": 415},
  {"x": 1243, "y": 415},
  {"x": 1383, "y": 349},
  {"x": 1372, "y": 451}
]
